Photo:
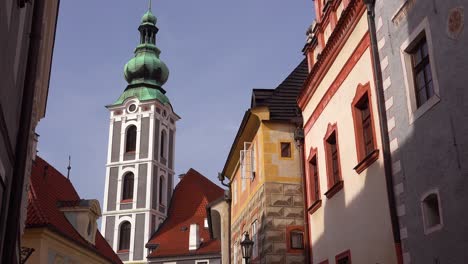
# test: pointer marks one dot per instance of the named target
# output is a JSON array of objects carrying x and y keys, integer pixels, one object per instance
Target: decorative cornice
[{"x": 343, "y": 30}]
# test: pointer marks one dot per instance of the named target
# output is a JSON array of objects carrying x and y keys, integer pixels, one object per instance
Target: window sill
[
  {"x": 367, "y": 161},
  {"x": 126, "y": 201},
  {"x": 334, "y": 189},
  {"x": 315, "y": 205},
  {"x": 424, "y": 108},
  {"x": 295, "y": 250},
  {"x": 432, "y": 229},
  {"x": 123, "y": 251}
]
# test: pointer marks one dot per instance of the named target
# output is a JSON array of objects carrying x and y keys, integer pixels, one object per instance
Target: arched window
[
  {"x": 124, "y": 236},
  {"x": 161, "y": 188},
  {"x": 130, "y": 145},
  {"x": 127, "y": 193},
  {"x": 163, "y": 144}
]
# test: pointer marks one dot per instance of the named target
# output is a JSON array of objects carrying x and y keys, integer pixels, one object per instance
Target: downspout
[
  {"x": 228, "y": 199},
  {"x": 299, "y": 137},
  {"x": 12, "y": 238},
  {"x": 370, "y": 5}
]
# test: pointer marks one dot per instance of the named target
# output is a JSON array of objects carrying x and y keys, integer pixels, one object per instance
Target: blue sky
[{"x": 216, "y": 51}]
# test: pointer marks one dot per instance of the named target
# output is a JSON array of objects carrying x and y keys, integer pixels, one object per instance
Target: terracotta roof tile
[
  {"x": 49, "y": 188},
  {"x": 188, "y": 206}
]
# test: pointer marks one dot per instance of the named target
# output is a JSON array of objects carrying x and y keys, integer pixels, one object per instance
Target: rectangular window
[
  {"x": 297, "y": 240},
  {"x": 332, "y": 157},
  {"x": 254, "y": 239},
  {"x": 235, "y": 253},
  {"x": 285, "y": 149},
  {"x": 343, "y": 258},
  {"x": 234, "y": 191},
  {"x": 364, "y": 128},
  {"x": 422, "y": 75},
  {"x": 314, "y": 179}
]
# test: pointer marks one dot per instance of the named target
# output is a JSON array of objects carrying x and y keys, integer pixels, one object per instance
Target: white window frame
[
  {"x": 428, "y": 230},
  {"x": 415, "y": 112},
  {"x": 254, "y": 232},
  {"x": 234, "y": 191},
  {"x": 235, "y": 255},
  {"x": 203, "y": 260}
]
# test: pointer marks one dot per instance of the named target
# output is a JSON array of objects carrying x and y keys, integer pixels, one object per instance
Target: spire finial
[
  {"x": 69, "y": 167},
  {"x": 149, "y": 4}
]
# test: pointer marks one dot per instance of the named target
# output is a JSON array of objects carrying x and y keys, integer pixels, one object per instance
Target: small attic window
[{"x": 90, "y": 227}]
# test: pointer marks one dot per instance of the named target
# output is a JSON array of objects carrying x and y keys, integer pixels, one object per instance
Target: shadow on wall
[{"x": 431, "y": 129}]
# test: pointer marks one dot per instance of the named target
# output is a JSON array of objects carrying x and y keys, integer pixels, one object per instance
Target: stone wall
[{"x": 277, "y": 207}]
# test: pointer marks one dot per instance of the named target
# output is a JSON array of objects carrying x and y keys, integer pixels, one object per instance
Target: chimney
[
  {"x": 181, "y": 176},
  {"x": 194, "y": 239}
]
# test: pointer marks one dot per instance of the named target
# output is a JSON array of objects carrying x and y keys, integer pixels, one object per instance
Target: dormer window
[
  {"x": 90, "y": 227},
  {"x": 82, "y": 214}
]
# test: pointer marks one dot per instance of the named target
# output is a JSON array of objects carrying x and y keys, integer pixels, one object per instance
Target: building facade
[
  {"x": 27, "y": 31},
  {"x": 264, "y": 169},
  {"x": 347, "y": 205},
  {"x": 184, "y": 237},
  {"x": 61, "y": 227},
  {"x": 424, "y": 60},
  {"x": 140, "y": 163}
]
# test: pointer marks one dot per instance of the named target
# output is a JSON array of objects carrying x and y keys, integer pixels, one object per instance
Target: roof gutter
[
  {"x": 247, "y": 115},
  {"x": 370, "y": 5}
]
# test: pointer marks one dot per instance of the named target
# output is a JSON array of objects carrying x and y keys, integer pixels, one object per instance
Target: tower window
[
  {"x": 161, "y": 189},
  {"x": 127, "y": 193},
  {"x": 130, "y": 145},
  {"x": 162, "y": 151},
  {"x": 124, "y": 236}
]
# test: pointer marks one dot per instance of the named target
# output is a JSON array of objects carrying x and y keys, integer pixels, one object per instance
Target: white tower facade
[{"x": 140, "y": 160}]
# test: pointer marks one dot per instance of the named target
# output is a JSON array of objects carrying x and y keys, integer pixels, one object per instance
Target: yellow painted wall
[
  {"x": 357, "y": 217},
  {"x": 270, "y": 166},
  {"x": 50, "y": 247}
]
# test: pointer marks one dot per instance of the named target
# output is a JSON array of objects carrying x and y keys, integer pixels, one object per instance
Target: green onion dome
[
  {"x": 146, "y": 67},
  {"x": 148, "y": 17}
]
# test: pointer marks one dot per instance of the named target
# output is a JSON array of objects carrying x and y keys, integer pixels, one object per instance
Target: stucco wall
[
  {"x": 50, "y": 248},
  {"x": 357, "y": 217},
  {"x": 428, "y": 152},
  {"x": 274, "y": 198}
]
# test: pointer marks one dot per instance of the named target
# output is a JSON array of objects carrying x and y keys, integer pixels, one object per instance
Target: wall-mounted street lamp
[{"x": 247, "y": 247}]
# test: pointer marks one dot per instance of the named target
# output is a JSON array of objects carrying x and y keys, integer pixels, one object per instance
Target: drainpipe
[
  {"x": 370, "y": 5},
  {"x": 299, "y": 138},
  {"x": 228, "y": 199},
  {"x": 12, "y": 237}
]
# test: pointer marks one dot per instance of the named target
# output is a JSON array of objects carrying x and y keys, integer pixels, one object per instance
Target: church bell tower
[{"x": 140, "y": 160}]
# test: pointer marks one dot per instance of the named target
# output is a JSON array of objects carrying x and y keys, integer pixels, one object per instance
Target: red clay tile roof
[
  {"x": 188, "y": 206},
  {"x": 48, "y": 188}
]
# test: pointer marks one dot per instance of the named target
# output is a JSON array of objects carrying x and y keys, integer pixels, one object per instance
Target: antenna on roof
[{"x": 69, "y": 167}]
